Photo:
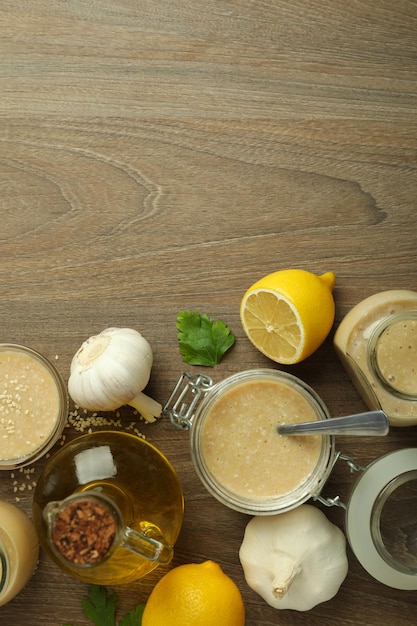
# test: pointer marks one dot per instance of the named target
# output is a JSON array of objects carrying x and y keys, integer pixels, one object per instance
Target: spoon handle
[{"x": 371, "y": 424}]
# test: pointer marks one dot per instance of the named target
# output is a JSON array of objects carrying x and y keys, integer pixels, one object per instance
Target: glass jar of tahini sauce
[{"x": 377, "y": 345}]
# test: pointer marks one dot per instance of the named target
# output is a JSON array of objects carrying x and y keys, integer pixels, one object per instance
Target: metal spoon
[{"x": 371, "y": 424}]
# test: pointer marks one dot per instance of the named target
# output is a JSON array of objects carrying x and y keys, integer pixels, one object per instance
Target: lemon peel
[{"x": 195, "y": 595}]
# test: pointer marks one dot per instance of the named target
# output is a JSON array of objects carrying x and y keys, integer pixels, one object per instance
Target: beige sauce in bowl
[
  {"x": 33, "y": 405},
  {"x": 242, "y": 448},
  {"x": 237, "y": 451}
]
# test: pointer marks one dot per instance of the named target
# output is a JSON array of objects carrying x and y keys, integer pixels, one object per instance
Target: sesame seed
[{"x": 82, "y": 421}]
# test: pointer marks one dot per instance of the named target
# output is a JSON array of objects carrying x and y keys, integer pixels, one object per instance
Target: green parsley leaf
[
  {"x": 100, "y": 608},
  {"x": 202, "y": 341},
  {"x": 134, "y": 618}
]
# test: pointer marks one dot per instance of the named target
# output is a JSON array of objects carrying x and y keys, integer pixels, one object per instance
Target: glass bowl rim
[{"x": 40, "y": 451}]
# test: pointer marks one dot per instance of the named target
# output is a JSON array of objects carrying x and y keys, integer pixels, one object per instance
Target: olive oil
[{"x": 135, "y": 475}]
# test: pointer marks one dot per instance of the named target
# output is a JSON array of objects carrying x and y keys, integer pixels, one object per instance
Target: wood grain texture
[{"x": 158, "y": 156}]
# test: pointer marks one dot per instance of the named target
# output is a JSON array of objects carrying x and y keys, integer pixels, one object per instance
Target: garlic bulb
[
  {"x": 294, "y": 560},
  {"x": 111, "y": 369}
]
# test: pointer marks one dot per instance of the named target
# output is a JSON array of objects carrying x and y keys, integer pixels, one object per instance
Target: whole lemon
[
  {"x": 288, "y": 314},
  {"x": 195, "y": 595}
]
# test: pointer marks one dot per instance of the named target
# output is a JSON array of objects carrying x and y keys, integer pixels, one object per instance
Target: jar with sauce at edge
[
  {"x": 34, "y": 405},
  {"x": 376, "y": 343},
  {"x": 19, "y": 551}
]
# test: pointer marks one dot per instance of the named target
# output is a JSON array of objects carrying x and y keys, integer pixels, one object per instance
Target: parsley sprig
[
  {"x": 202, "y": 341},
  {"x": 100, "y": 609}
]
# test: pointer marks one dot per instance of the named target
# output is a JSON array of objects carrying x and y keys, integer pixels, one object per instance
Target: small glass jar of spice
[{"x": 377, "y": 345}]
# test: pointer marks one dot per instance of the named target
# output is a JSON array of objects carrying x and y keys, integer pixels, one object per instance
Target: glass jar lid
[{"x": 381, "y": 519}]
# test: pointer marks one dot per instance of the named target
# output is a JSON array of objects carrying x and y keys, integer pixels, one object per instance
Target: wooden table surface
[{"x": 160, "y": 155}]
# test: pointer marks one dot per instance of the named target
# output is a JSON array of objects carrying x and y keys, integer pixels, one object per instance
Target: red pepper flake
[{"x": 84, "y": 532}]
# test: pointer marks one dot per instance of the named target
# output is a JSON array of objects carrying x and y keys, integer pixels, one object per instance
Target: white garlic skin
[
  {"x": 294, "y": 560},
  {"x": 110, "y": 369}
]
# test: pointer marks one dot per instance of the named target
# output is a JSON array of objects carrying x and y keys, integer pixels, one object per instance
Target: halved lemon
[{"x": 288, "y": 314}]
